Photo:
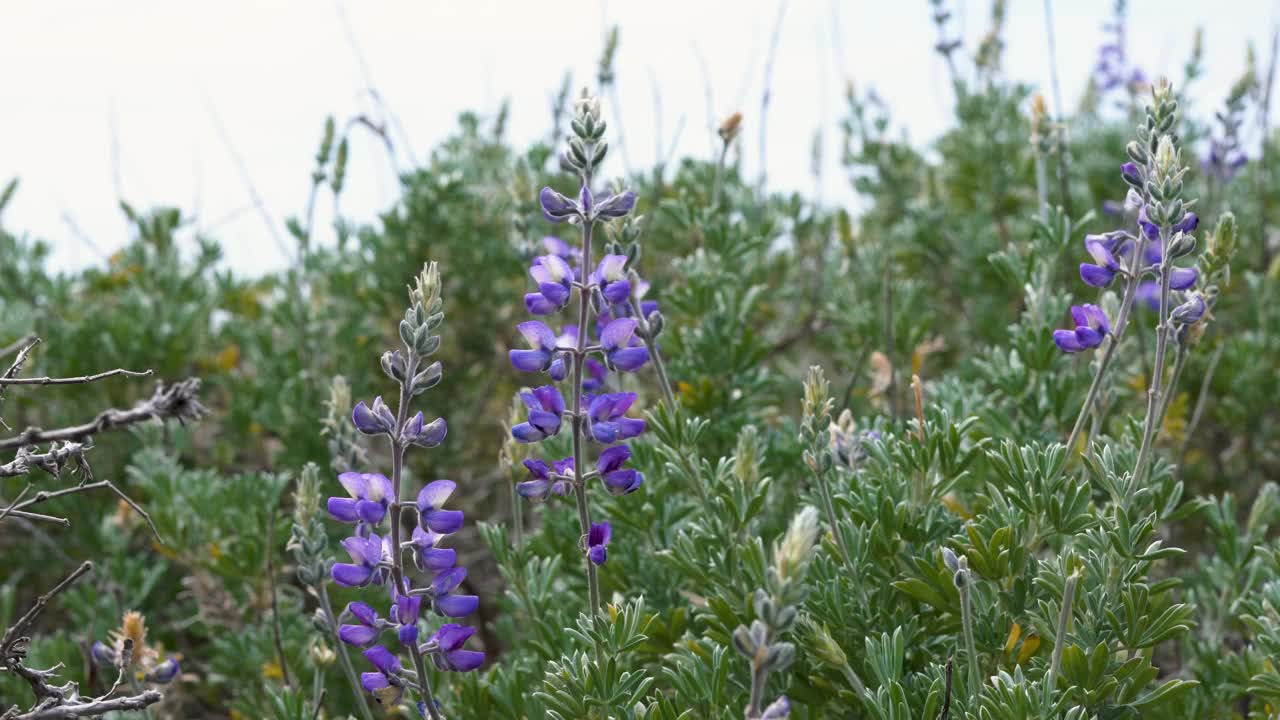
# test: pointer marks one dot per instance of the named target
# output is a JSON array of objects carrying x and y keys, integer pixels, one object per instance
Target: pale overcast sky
[{"x": 90, "y": 82}]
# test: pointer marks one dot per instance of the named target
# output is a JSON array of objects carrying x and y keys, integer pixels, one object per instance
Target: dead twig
[{"x": 177, "y": 401}]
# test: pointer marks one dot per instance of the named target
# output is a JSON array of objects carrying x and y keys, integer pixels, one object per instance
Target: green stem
[
  {"x": 579, "y": 424},
  {"x": 397, "y": 559},
  {"x": 1060, "y": 637},
  {"x": 347, "y": 668},
  {"x": 1150, "y": 425},
  {"x": 830, "y": 508},
  {"x": 970, "y": 647}
]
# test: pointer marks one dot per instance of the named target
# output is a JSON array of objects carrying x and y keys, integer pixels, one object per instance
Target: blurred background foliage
[{"x": 945, "y": 273}]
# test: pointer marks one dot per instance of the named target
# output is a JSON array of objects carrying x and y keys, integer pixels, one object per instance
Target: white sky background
[{"x": 92, "y": 87}]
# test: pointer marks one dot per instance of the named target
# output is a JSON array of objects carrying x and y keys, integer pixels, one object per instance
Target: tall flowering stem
[
  {"x": 1158, "y": 163},
  {"x": 380, "y": 560},
  {"x": 1163, "y": 235},
  {"x": 585, "y": 352}
]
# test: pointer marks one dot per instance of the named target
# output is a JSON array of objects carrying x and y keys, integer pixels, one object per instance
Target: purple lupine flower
[
  {"x": 1131, "y": 174},
  {"x": 430, "y": 502},
  {"x": 385, "y": 685},
  {"x": 615, "y": 206},
  {"x": 555, "y": 285},
  {"x": 541, "y": 484},
  {"x": 1187, "y": 224},
  {"x": 611, "y": 276},
  {"x": 1190, "y": 311},
  {"x": 1150, "y": 229},
  {"x": 1103, "y": 271},
  {"x": 779, "y": 709},
  {"x": 370, "y": 496},
  {"x": 608, "y": 424},
  {"x": 448, "y": 654},
  {"x": 556, "y": 207},
  {"x": 542, "y": 344},
  {"x": 1183, "y": 278},
  {"x": 374, "y": 420},
  {"x": 164, "y": 672},
  {"x": 546, "y": 406},
  {"x": 622, "y": 350},
  {"x": 427, "y": 436},
  {"x": 1091, "y": 327},
  {"x": 405, "y": 612},
  {"x": 618, "y": 480},
  {"x": 365, "y": 554},
  {"x": 366, "y": 632},
  {"x": 443, "y": 598},
  {"x": 429, "y": 557},
  {"x": 598, "y": 541}
]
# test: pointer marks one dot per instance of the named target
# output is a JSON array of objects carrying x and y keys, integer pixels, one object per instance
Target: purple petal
[
  {"x": 529, "y": 360},
  {"x": 622, "y": 482},
  {"x": 343, "y": 509},
  {"x": 452, "y": 636},
  {"x": 598, "y": 554},
  {"x": 632, "y": 359},
  {"x": 599, "y": 534},
  {"x": 365, "y": 420},
  {"x": 1066, "y": 341},
  {"x": 351, "y": 575},
  {"x": 438, "y": 559},
  {"x": 1183, "y": 278},
  {"x": 446, "y": 582},
  {"x": 526, "y": 433},
  {"x": 457, "y": 606},
  {"x": 538, "y": 335},
  {"x": 556, "y": 207},
  {"x": 443, "y": 521},
  {"x": 612, "y": 268},
  {"x": 358, "y": 635},
  {"x": 539, "y": 304},
  {"x": 465, "y": 660},
  {"x": 617, "y": 205},
  {"x": 363, "y": 612},
  {"x": 617, "y": 333},
  {"x": 356, "y": 484},
  {"x": 374, "y": 681},
  {"x": 383, "y": 659},
  {"x": 613, "y": 458},
  {"x": 435, "y": 494},
  {"x": 370, "y": 512}
]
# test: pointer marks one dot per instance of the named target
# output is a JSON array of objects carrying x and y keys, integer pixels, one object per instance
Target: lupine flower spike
[{"x": 378, "y": 559}]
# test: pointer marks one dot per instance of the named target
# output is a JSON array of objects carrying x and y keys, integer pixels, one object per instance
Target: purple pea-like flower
[
  {"x": 615, "y": 206},
  {"x": 1129, "y": 171},
  {"x": 370, "y": 496},
  {"x": 541, "y": 484},
  {"x": 449, "y": 655},
  {"x": 608, "y": 424},
  {"x": 1187, "y": 224},
  {"x": 1103, "y": 271},
  {"x": 618, "y": 480},
  {"x": 428, "y": 436},
  {"x": 1190, "y": 311},
  {"x": 385, "y": 685},
  {"x": 164, "y": 672},
  {"x": 1091, "y": 327},
  {"x": 429, "y": 557},
  {"x": 431, "y": 514},
  {"x": 365, "y": 633},
  {"x": 611, "y": 276},
  {"x": 1183, "y": 278},
  {"x": 542, "y": 344},
  {"x": 1150, "y": 229},
  {"x": 598, "y": 541},
  {"x": 405, "y": 613},
  {"x": 621, "y": 350},
  {"x": 555, "y": 285},
  {"x": 546, "y": 405},
  {"x": 443, "y": 598},
  {"x": 365, "y": 554},
  {"x": 556, "y": 207},
  {"x": 373, "y": 420}
]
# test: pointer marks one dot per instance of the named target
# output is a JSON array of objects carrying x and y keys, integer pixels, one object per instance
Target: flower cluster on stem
[
  {"x": 587, "y": 351},
  {"x": 379, "y": 560}
]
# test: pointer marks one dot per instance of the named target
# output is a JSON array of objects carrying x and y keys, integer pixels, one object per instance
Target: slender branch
[
  {"x": 1060, "y": 637},
  {"x": 13, "y": 635},
  {"x": 19, "y": 344},
  {"x": 178, "y": 400},
  {"x": 82, "y": 379},
  {"x": 579, "y": 482},
  {"x": 95, "y": 708}
]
